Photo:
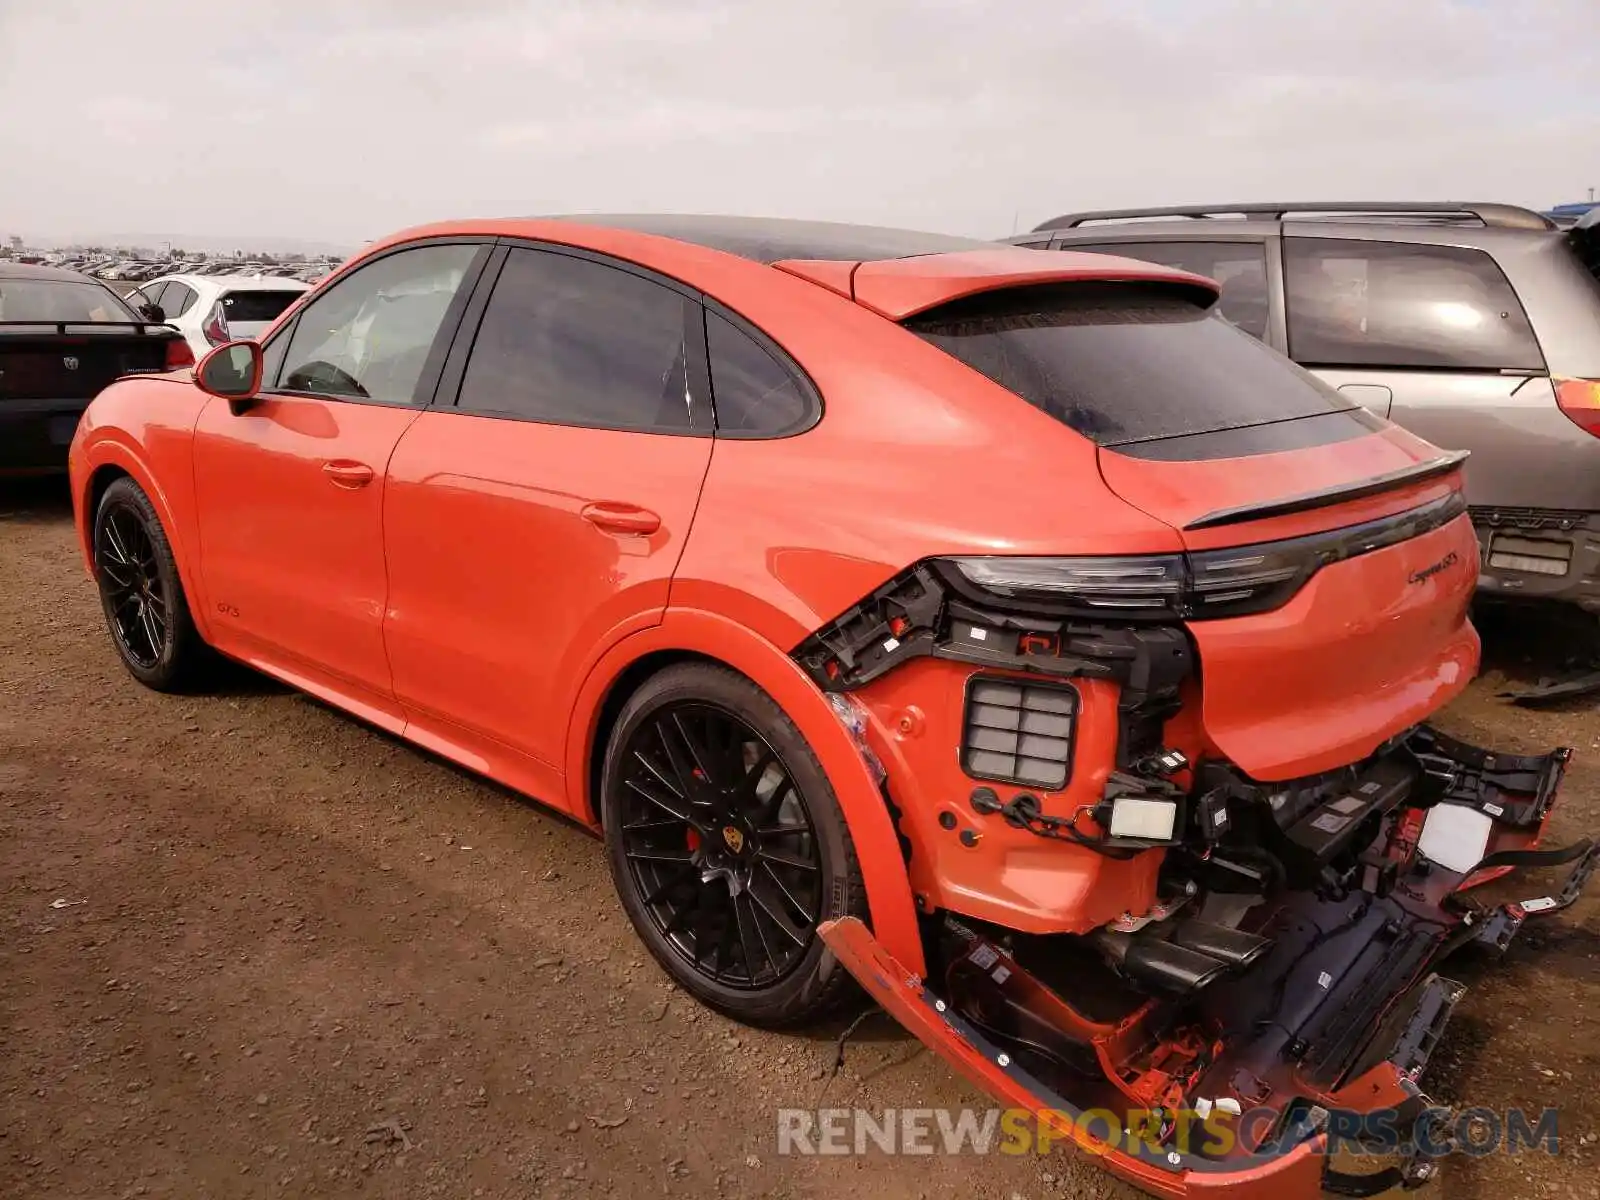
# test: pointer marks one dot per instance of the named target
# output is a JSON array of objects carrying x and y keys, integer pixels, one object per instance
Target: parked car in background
[
  {"x": 1476, "y": 326},
  {"x": 63, "y": 337},
  {"x": 212, "y": 309},
  {"x": 1004, "y": 628}
]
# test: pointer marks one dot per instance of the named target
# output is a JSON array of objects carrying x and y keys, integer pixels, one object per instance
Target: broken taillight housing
[
  {"x": 1196, "y": 585},
  {"x": 1579, "y": 399},
  {"x": 216, "y": 326}
]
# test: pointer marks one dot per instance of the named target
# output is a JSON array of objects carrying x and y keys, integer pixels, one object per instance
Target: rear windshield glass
[
  {"x": 256, "y": 305},
  {"x": 1123, "y": 364},
  {"x": 58, "y": 300}
]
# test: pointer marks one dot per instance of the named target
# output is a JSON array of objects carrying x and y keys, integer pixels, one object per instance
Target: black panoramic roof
[
  {"x": 771, "y": 239},
  {"x": 16, "y": 270}
]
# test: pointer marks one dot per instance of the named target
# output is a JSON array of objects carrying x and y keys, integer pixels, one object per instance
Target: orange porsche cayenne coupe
[{"x": 1002, "y": 629}]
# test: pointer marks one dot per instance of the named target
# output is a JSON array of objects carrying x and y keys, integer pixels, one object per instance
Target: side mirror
[
  {"x": 153, "y": 313},
  {"x": 233, "y": 372}
]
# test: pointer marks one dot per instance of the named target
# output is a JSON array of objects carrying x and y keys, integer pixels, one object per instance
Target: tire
[
  {"x": 141, "y": 592},
  {"x": 735, "y": 950}
]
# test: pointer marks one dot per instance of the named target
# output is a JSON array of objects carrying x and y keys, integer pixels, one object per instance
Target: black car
[{"x": 63, "y": 337}]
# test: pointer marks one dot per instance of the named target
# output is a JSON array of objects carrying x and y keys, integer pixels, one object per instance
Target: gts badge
[{"x": 1428, "y": 572}]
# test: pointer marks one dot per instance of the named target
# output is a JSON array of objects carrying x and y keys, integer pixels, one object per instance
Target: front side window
[
  {"x": 368, "y": 337},
  {"x": 1239, "y": 267},
  {"x": 1394, "y": 304},
  {"x": 570, "y": 341}
]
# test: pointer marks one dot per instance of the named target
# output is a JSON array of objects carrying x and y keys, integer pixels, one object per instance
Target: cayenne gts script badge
[
  {"x": 733, "y": 838},
  {"x": 1428, "y": 572},
  {"x": 69, "y": 363}
]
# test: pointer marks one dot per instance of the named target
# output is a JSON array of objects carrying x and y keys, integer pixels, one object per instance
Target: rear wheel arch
[{"x": 697, "y": 635}]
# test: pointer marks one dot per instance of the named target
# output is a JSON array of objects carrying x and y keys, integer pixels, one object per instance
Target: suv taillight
[
  {"x": 216, "y": 326},
  {"x": 1579, "y": 399},
  {"x": 179, "y": 354}
]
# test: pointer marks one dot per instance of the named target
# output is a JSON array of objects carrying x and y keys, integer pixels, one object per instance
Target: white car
[{"x": 212, "y": 309}]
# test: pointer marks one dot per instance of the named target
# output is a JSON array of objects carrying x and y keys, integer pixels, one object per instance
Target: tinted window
[
  {"x": 1240, "y": 268},
  {"x": 1123, "y": 364},
  {"x": 59, "y": 300},
  {"x": 256, "y": 305},
  {"x": 177, "y": 300},
  {"x": 150, "y": 293},
  {"x": 755, "y": 394},
  {"x": 574, "y": 342},
  {"x": 1389, "y": 304},
  {"x": 369, "y": 335}
]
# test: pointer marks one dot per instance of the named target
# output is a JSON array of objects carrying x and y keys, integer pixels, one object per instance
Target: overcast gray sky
[{"x": 345, "y": 119}]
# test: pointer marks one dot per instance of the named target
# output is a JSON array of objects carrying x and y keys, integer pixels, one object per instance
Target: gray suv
[{"x": 1475, "y": 326}]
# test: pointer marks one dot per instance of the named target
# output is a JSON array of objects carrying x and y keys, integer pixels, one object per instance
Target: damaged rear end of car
[{"x": 1187, "y": 853}]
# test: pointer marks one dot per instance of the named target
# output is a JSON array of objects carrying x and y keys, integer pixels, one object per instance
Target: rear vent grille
[{"x": 1018, "y": 732}]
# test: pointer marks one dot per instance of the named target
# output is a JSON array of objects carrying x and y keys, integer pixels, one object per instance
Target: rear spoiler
[
  {"x": 1432, "y": 468},
  {"x": 61, "y": 327},
  {"x": 901, "y": 288}
]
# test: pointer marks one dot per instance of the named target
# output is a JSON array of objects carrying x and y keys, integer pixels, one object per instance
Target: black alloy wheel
[
  {"x": 142, "y": 592},
  {"x": 727, "y": 845},
  {"x": 720, "y": 844},
  {"x": 137, "y": 603}
]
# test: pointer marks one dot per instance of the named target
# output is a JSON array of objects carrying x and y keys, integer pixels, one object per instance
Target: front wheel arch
[{"x": 109, "y": 461}]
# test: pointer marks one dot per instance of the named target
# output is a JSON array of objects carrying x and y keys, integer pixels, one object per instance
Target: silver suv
[{"x": 1476, "y": 326}]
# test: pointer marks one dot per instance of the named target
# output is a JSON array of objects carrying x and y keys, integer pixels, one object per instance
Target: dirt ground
[{"x": 250, "y": 947}]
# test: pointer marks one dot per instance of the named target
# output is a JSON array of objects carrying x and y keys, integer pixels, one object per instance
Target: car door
[
  {"x": 1440, "y": 330},
  {"x": 541, "y": 516},
  {"x": 289, "y": 490}
]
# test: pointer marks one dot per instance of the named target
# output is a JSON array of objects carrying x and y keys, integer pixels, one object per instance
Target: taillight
[
  {"x": 179, "y": 354},
  {"x": 1232, "y": 582},
  {"x": 1580, "y": 400},
  {"x": 216, "y": 326}
]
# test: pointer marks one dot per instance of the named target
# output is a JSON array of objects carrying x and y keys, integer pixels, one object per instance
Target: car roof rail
[{"x": 1492, "y": 216}]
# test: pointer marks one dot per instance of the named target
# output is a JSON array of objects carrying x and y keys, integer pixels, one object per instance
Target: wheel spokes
[{"x": 700, "y": 793}]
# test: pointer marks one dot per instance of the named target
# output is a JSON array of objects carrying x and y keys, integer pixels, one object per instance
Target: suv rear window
[
  {"x": 1125, "y": 364},
  {"x": 1239, "y": 267},
  {"x": 1356, "y": 303},
  {"x": 256, "y": 305}
]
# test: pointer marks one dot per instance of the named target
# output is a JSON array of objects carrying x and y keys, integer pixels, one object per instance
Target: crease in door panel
[{"x": 383, "y": 549}]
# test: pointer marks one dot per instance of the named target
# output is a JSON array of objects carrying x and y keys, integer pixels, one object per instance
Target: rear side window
[
  {"x": 257, "y": 305},
  {"x": 755, "y": 395},
  {"x": 1125, "y": 364},
  {"x": 1392, "y": 304},
  {"x": 1241, "y": 269},
  {"x": 570, "y": 341},
  {"x": 177, "y": 300}
]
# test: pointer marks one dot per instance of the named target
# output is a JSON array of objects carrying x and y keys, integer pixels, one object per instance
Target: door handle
[
  {"x": 347, "y": 474},
  {"x": 621, "y": 518}
]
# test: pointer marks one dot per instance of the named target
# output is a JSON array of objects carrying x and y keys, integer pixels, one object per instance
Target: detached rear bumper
[{"x": 1248, "y": 1089}]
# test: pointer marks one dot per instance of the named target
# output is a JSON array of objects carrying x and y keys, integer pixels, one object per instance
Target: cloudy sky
[{"x": 344, "y": 119}]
